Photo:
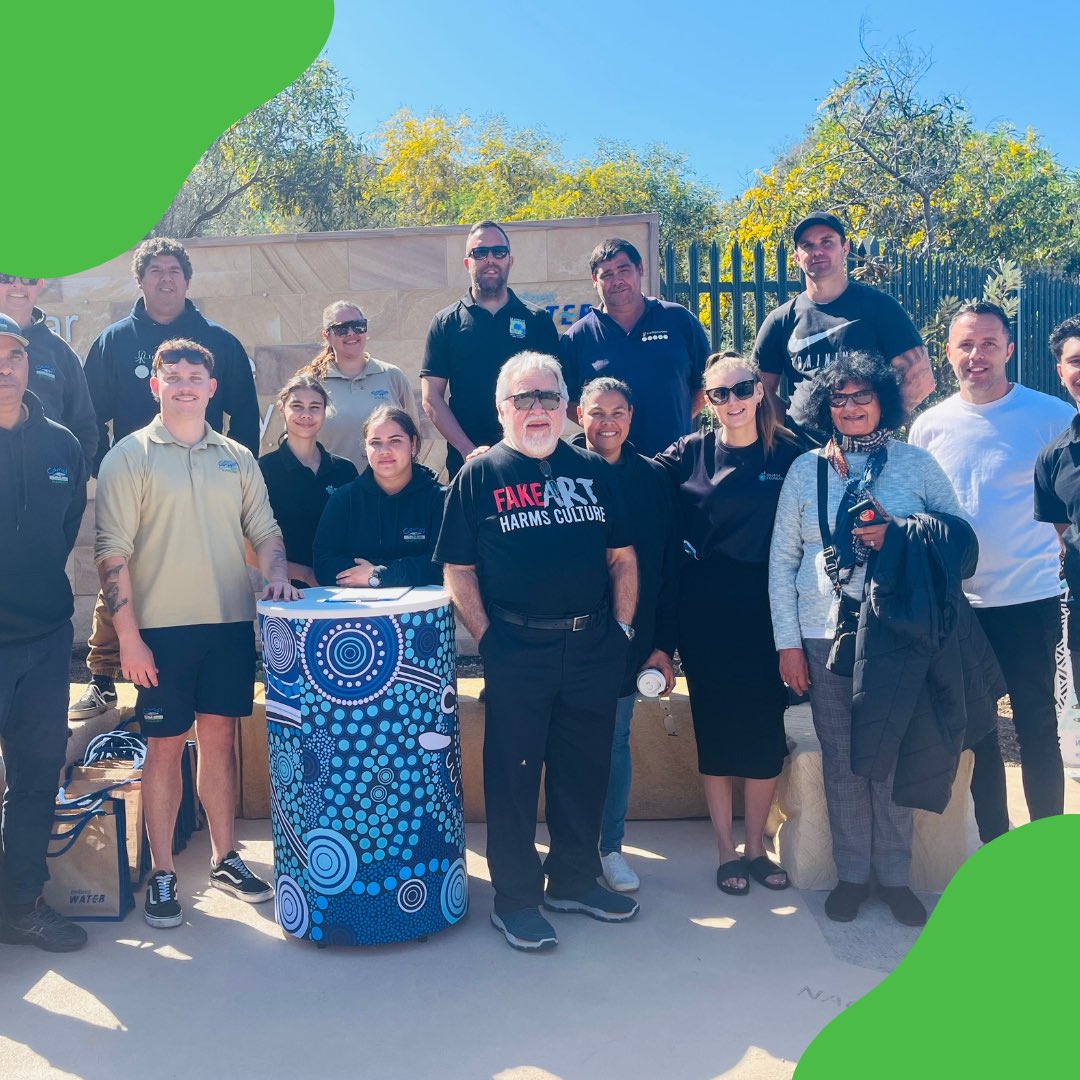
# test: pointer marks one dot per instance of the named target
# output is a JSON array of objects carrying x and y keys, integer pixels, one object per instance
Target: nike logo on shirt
[{"x": 797, "y": 345}]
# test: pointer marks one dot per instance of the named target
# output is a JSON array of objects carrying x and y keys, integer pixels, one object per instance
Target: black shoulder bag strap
[{"x": 832, "y": 566}]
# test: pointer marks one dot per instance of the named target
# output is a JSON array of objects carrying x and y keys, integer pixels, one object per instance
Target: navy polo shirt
[
  {"x": 298, "y": 495},
  {"x": 661, "y": 359},
  {"x": 467, "y": 345}
]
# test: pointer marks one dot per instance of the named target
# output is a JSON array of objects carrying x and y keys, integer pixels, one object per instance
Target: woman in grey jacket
[{"x": 856, "y": 399}]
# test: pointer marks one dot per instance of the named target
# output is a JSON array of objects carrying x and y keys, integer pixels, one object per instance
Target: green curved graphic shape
[
  {"x": 116, "y": 103},
  {"x": 989, "y": 989}
]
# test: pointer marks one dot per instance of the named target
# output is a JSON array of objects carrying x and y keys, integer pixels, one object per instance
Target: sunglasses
[
  {"x": 719, "y": 395},
  {"x": 10, "y": 279},
  {"x": 352, "y": 326},
  {"x": 549, "y": 399},
  {"x": 500, "y": 252},
  {"x": 860, "y": 397}
]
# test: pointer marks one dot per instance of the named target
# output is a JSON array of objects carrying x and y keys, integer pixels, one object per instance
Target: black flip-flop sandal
[
  {"x": 734, "y": 868},
  {"x": 762, "y": 868}
]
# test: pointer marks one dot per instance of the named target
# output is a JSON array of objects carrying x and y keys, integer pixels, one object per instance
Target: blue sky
[{"x": 728, "y": 84}]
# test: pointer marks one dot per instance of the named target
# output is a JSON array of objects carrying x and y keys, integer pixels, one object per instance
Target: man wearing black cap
[
  {"x": 835, "y": 314},
  {"x": 42, "y": 500}
]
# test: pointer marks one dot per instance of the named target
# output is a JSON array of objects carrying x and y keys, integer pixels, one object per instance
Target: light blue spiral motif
[
  {"x": 332, "y": 863},
  {"x": 279, "y": 646},
  {"x": 454, "y": 897},
  {"x": 412, "y": 896},
  {"x": 292, "y": 908}
]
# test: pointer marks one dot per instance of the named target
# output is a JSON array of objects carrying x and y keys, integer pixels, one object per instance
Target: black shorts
[{"x": 208, "y": 668}]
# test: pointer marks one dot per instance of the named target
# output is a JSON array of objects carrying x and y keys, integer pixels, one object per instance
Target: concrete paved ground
[{"x": 701, "y": 985}]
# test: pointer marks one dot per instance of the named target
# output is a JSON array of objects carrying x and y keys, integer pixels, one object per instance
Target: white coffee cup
[{"x": 651, "y": 682}]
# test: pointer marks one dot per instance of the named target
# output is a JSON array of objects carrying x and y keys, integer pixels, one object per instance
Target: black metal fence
[{"x": 733, "y": 294}]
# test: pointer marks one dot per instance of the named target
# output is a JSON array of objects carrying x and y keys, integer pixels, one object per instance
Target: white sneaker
[{"x": 617, "y": 873}]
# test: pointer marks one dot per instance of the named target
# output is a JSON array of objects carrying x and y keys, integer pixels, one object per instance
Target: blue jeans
[{"x": 613, "y": 825}]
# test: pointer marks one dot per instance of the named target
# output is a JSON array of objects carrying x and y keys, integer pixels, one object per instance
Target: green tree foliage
[
  {"x": 290, "y": 165},
  {"x": 916, "y": 173}
]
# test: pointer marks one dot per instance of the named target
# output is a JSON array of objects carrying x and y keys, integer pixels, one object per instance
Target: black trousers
[
  {"x": 1024, "y": 638},
  {"x": 550, "y": 699},
  {"x": 33, "y": 738}
]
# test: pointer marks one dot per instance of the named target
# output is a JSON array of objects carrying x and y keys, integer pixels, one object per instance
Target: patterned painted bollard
[{"x": 365, "y": 767}]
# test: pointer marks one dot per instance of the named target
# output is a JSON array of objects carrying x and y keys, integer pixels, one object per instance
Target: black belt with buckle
[{"x": 571, "y": 622}]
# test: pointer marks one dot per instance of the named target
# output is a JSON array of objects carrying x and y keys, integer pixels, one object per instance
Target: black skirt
[{"x": 729, "y": 658}]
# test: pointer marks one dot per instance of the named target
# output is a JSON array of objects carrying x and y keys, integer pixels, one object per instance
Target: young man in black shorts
[{"x": 175, "y": 501}]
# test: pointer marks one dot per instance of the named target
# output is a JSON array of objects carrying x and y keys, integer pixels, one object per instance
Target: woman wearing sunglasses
[
  {"x": 871, "y": 477},
  {"x": 381, "y": 529},
  {"x": 301, "y": 474},
  {"x": 728, "y": 482},
  {"x": 356, "y": 382}
]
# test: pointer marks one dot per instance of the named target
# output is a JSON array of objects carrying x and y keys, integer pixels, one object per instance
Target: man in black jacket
[
  {"x": 118, "y": 375},
  {"x": 41, "y": 504},
  {"x": 56, "y": 373},
  {"x": 605, "y": 412}
]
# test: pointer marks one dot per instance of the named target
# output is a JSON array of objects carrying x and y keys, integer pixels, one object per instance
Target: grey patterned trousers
[{"x": 868, "y": 829}]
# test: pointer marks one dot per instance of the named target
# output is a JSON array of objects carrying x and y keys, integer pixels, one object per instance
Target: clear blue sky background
[{"x": 728, "y": 84}]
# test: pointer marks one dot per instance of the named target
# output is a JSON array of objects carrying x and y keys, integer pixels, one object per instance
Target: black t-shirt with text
[
  {"x": 537, "y": 531},
  {"x": 801, "y": 337}
]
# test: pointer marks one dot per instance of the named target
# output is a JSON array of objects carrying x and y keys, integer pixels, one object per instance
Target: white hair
[{"x": 523, "y": 364}]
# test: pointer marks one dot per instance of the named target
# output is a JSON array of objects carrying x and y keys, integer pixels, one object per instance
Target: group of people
[{"x": 782, "y": 549}]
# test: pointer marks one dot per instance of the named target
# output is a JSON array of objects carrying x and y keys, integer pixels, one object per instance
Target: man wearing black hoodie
[
  {"x": 41, "y": 504},
  {"x": 56, "y": 373},
  {"x": 118, "y": 375}
]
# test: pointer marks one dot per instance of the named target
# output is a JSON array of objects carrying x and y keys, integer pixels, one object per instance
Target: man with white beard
[{"x": 539, "y": 562}]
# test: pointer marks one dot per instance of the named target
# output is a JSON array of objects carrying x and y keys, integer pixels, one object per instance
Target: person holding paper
[{"x": 380, "y": 529}]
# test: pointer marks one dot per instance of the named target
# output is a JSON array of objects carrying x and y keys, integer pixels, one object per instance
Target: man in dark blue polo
[{"x": 656, "y": 347}]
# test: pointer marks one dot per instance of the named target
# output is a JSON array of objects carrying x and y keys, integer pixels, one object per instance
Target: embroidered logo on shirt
[
  {"x": 142, "y": 365},
  {"x": 414, "y": 536},
  {"x": 228, "y": 465},
  {"x": 654, "y": 335},
  {"x": 517, "y": 328},
  {"x": 330, "y": 489},
  {"x": 380, "y": 394},
  {"x": 59, "y": 475},
  {"x": 45, "y": 372},
  {"x": 599, "y": 365},
  {"x": 153, "y": 716},
  {"x": 769, "y": 476}
]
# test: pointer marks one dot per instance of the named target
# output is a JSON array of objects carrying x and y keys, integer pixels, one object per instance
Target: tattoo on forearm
[
  {"x": 279, "y": 565},
  {"x": 111, "y": 589}
]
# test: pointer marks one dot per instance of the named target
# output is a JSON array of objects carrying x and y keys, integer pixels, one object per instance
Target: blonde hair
[
  {"x": 767, "y": 417},
  {"x": 319, "y": 368}
]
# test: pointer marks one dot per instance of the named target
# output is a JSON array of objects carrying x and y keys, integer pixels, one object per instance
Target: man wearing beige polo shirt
[{"x": 175, "y": 502}]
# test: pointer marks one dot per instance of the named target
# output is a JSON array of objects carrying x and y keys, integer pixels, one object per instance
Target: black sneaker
[
  {"x": 526, "y": 930},
  {"x": 94, "y": 702},
  {"x": 843, "y": 903},
  {"x": 234, "y": 877},
  {"x": 906, "y": 907},
  {"x": 598, "y": 903},
  {"x": 45, "y": 928},
  {"x": 162, "y": 908}
]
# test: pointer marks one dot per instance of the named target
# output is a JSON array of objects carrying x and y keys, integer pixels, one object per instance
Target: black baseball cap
[{"x": 821, "y": 217}]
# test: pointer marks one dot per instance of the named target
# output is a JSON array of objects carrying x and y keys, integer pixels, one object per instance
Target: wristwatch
[
  {"x": 628, "y": 630},
  {"x": 375, "y": 577}
]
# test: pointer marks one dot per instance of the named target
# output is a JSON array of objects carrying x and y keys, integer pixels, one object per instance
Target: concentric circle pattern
[
  {"x": 291, "y": 905},
  {"x": 331, "y": 861},
  {"x": 354, "y": 661},
  {"x": 412, "y": 896},
  {"x": 455, "y": 892},
  {"x": 279, "y": 646}
]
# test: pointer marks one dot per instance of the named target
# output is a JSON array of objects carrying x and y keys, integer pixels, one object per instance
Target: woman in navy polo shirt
[
  {"x": 301, "y": 474},
  {"x": 729, "y": 481}
]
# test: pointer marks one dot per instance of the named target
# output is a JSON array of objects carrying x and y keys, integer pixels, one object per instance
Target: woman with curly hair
[
  {"x": 356, "y": 381},
  {"x": 856, "y": 403}
]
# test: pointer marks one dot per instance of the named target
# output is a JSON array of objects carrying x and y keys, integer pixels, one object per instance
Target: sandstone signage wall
[{"x": 270, "y": 292}]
